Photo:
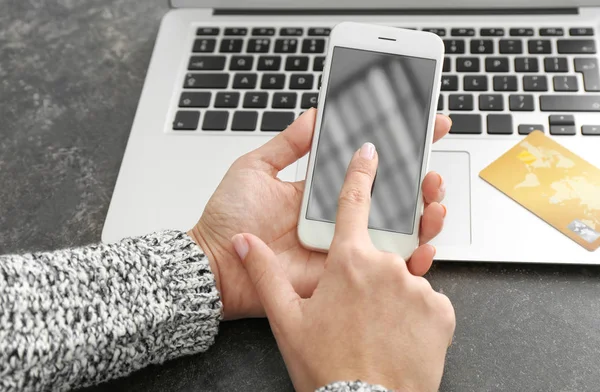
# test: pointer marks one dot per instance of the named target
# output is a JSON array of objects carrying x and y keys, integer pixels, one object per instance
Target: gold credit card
[{"x": 553, "y": 183}]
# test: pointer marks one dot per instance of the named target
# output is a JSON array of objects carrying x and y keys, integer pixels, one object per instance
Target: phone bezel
[{"x": 318, "y": 235}]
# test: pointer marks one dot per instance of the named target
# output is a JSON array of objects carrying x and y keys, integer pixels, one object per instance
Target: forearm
[{"x": 78, "y": 317}]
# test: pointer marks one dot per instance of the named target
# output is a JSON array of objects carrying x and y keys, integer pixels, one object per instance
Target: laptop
[{"x": 228, "y": 75}]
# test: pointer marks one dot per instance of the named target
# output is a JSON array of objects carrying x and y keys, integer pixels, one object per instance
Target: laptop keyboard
[{"x": 259, "y": 79}]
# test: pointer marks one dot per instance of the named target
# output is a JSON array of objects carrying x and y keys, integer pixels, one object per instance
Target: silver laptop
[{"x": 227, "y": 75}]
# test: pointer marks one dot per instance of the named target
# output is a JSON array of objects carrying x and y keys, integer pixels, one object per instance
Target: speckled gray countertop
[{"x": 70, "y": 77}]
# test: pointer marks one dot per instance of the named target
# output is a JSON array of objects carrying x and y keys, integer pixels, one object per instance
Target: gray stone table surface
[{"x": 71, "y": 73}]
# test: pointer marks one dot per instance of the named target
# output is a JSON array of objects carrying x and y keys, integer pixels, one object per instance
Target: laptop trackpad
[{"x": 454, "y": 166}]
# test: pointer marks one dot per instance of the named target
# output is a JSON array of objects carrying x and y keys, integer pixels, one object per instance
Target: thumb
[{"x": 275, "y": 291}]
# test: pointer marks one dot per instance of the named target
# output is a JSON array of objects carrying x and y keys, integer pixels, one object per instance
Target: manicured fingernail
[
  {"x": 240, "y": 245},
  {"x": 445, "y": 210},
  {"x": 367, "y": 151},
  {"x": 442, "y": 184}
]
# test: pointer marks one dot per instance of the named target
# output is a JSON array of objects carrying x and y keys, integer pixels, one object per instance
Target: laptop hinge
[{"x": 415, "y": 11}]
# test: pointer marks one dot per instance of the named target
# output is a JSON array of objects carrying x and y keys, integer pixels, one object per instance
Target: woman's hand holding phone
[
  {"x": 251, "y": 199},
  {"x": 369, "y": 317}
]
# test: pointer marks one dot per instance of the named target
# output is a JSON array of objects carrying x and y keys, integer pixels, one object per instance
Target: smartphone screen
[{"x": 384, "y": 99}]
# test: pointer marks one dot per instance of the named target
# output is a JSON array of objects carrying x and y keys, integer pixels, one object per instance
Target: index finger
[{"x": 354, "y": 203}]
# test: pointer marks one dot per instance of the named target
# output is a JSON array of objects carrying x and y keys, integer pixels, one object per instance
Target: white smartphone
[{"x": 380, "y": 85}]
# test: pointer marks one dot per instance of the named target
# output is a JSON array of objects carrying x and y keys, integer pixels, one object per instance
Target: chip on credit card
[{"x": 552, "y": 182}]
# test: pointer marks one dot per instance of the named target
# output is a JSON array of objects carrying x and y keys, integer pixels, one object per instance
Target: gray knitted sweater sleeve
[{"x": 78, "y": 317}]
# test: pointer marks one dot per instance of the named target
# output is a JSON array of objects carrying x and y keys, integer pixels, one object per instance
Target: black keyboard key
[
  {"x": 505, "y": 83},
  {"x": 497, "y": 32},
  {"x": 291, "y": 31},
  {"x": 526, "y": 64},
  {"x": 215, "y": 121},
  {"x": 511, "y": 46},
  {"x": 194, "y": 100},
  {"x": 295, "y": 63},
  {"x": 273, "y": 81},
  {"x": 579, "y": 31},
  {"x": 526, "y": 129},
  {"x": 491, "y": 102},
  {"x": 460, "y": 102},
  {"x": 269, "y": 63},
  {"x": 467, "y": 64},
  {"x": 576, "y": 46},
  {"x": 206, "y": 80},
  {"x": 284, "y": 100},
  {"x": 462, "y": 32},
  {"x": 561, "y": 130},
  {"x": 237, "y": 31},
  {"x": 263, "y": 31},
  {"x": 590, "y": 130},
  {"x": 245, "y": 80},
  {"x": 589, "y": 68},
  {"x": 227, "y": 100},
  {"x": 535, "y": 83},
  {"x": 244, "y": 121},
  {"x": 256, "y": 100},
  {"x": 454, "y": 46},
  {"x": 303, "y": 82},
  {"x": 286, "y": 45},
  {"x": 204, "y": 45},
  {"x": 319, "y": 64},
  {"x": 449, "y": 82},
  {"x": 521, "y": 32},
  {"x": 186, "y": 121},
  {"x": 539, "y": 46},
  {"x": 565, "y": 83},
  {"x": 319, "y": 31},
  {"x": 521, "y": 103},
  {"x": 207, "y": 63},
  {"x": 309, "y": 100},
  {"x": 496, "y": 64},
  {"x": 440, "y": 105},
  {"x": 466, "y": 124},
  {"x": 231, "y": 45},
  {"x": 556, "y": 64},
  {"x": 482, "y": 46},
  {"x": 447, "y": 67},
  {"x": 313, "y": 45},
  {"x": 277, "y": 121},
  {"x": 438, "y": 31},
  {"x": 552, "y": 32},
  {"x": 475, "y": 83},
  {"x": 208, "y": 31},
  {"x": 258, "y": 45},
  {"x": 241, "y": 63},
  {"x": 561, "y": 119},
  {"x": 499, "y": 124}
]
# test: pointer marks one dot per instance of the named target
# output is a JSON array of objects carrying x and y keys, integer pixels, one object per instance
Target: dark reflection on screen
[{"x": 382, "y": 99}]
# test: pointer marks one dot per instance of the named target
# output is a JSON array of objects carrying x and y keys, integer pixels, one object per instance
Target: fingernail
[
  {"x": 240, "y": 245},
  {"x": 434, "y": 250},
  {"x": 367, "y": 151},
  {"x": 445, "y": 210},
  {"x": 442, "y": 184}
]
